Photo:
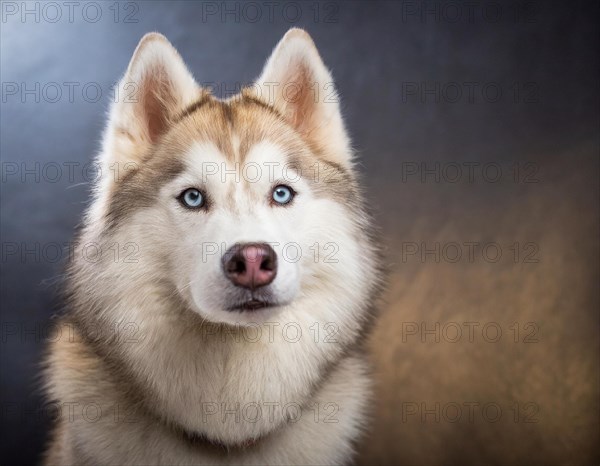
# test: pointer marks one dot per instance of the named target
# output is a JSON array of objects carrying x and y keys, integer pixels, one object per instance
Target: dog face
[
  {"x": 246, "y": 207},
  {"x": 245, "y": 213},
  {"x": 237, "y": 212}
]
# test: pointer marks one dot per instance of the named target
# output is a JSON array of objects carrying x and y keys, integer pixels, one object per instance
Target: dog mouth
[
  {"x": 252, "y": 301},
  {"x": 251, "y": 305}
]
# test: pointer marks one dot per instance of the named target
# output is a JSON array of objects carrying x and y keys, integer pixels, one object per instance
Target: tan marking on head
[
  {"x": 234, "y": 126},
  {"x": 240, "y": 123},
  {"x": 243, "y": 121}
]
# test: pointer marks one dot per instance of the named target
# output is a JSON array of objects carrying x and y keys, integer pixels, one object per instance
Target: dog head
[{"x": 243, "y": 207}]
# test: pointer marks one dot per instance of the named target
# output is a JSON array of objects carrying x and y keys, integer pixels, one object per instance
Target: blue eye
[
  {"x": 283, "y": 194},
  {"x": 192, "y": 198}
]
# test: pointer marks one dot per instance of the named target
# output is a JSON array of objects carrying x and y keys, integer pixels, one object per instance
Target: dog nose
[{"x": 250, "y": 265}]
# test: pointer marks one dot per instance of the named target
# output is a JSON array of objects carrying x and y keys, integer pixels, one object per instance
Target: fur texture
[{"x": 156, "y": 367}]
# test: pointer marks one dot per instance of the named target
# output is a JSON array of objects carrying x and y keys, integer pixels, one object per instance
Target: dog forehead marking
[{"x": 234, "y": 125}]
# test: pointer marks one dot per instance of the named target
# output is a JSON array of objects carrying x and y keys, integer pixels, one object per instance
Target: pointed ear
[
  {"x": 297, "y": 83},
  {"x": 155, "y": 88}
]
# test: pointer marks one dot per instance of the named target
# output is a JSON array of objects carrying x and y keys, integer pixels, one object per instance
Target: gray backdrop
[{"x": 475, "y": 124}]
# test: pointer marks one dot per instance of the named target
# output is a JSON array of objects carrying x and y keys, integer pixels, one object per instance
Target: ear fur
[
  {"x": 297, "y": 83},
  {"x": 156, "y": 86}
]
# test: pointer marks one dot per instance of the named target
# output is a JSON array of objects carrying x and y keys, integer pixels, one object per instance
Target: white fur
[{"x": 180, "y": 365}]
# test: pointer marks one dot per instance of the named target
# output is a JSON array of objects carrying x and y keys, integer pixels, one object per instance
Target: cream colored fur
[{"x": 166, "y": 351}]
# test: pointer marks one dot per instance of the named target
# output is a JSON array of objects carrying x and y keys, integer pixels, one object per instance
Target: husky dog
[{"x": 220, "y": 314}]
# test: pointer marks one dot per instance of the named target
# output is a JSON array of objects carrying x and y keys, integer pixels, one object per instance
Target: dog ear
[
  {"x": 155, "y": 88},
  {"x": 297, "y": 83}
]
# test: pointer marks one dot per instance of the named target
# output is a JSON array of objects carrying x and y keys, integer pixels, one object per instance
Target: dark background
[{"x": 541, "y": 133}]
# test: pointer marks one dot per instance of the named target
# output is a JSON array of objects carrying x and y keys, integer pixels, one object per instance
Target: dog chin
[{"x": 244, "y": 313}]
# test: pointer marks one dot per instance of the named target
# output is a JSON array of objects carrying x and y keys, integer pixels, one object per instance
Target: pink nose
[{"x": 250, "y": 265}]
